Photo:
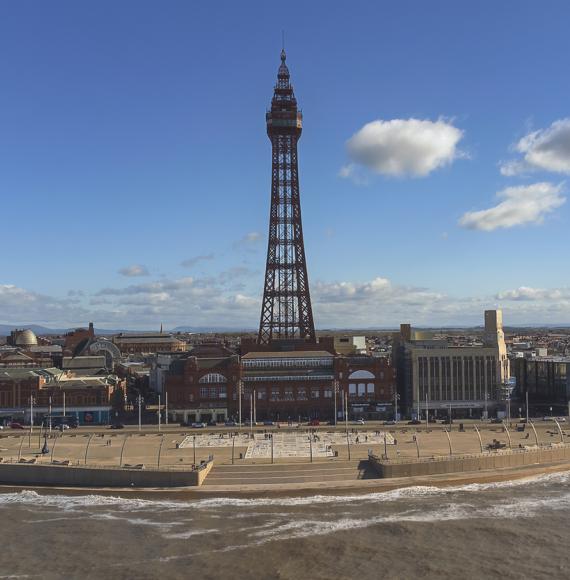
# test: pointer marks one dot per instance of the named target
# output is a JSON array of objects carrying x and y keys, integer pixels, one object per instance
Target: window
[
  {"x": 213, "y": 378},
  {"x": 352, "y": 389},
  {"x": 274, "y": 394},
  {"x": 361, "y": 389},
  {"x": 262, "y": 394},
  {"x": 203, "y": 392},
  {"x": 222, "y": 393},
  {"x": 328, "y": 393},
  {"x": 288, "y": 394},
  {"x": 315, "y": 394},
  {"x": 370, "y": 388},
  {"x": 301, "y": 394}
]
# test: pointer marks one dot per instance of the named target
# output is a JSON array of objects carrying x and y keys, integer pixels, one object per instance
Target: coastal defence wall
[
  {"x": 465, "y": 463},
  {"x": 79, "y": 476}
]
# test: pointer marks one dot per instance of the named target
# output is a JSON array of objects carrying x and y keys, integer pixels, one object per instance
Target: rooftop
[{"x": 289, "y": 354}]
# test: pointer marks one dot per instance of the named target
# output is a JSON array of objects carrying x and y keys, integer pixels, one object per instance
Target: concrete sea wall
[
  {"x": 475, "y": 462},
  {"x": 79, "y": 476}
]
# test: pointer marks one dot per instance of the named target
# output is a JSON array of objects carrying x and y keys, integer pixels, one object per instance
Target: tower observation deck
[{"x": 286, "y": 312}]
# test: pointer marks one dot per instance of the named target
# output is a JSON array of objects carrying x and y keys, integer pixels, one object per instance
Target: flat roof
[{"x": 289, "y": 354}]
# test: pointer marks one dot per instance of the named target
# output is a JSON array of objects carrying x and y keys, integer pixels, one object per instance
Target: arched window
[
  {"x": 361, "y": 375},
  {"x": 213, "y": 378}
]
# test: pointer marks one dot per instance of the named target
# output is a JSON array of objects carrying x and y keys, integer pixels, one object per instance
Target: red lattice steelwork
[{"x": 286, "y": 310}]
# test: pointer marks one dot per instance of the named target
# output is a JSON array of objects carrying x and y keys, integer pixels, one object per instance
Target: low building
[
  {"x": 350, "y": 345},
  {"x": 288, "y": 385},
  {"x": 370, "y": 384},
  {"x": 202, "y": 384},
  {"x": 86, "y": 397},
  {"x": 23, "y": 338},
  {"x": 77, "y": 340},
  {"x": 146, "y": 343},
  {"x": 85, "y": 365},
  {"x": 546, "y": 381},
  {"x": 436, "y": 377}
]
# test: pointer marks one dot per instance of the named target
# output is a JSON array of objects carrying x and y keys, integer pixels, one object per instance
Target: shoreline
[{"x": 276, "y": 491}]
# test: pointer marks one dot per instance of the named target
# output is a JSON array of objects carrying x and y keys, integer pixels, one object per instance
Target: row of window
[
  {"x": 361, "y": 389},
  {"x": 287, "y": 362},
  {"x": 457, "y": 377},
  {"x": 288, "y": 394}
]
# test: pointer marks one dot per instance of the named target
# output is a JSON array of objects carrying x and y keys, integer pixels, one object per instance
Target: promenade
[{"x": 177, "y": 447}]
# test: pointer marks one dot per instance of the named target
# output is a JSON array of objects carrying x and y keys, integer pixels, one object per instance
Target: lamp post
[
  {"x": 396, "y": 398},
  {"x": 32, "y": 401},
  {"x": 251, "y": 414},
  {"x": 140, "y": 400},
  {"x": 239, "y": 402},
  {"x": 159, "y": 413},
  {"x": 335, "y": 394},
  {"x": 166, "y": 408}
]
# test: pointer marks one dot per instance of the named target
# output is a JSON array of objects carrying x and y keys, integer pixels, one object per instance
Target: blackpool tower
[{"x": 286, "y": 312}]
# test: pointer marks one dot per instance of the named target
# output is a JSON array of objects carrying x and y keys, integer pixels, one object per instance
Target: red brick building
[
  {"x": 202, "y": 384},
  {"x": 86, "y": 397},
  {"x": 279, "y": 385}
]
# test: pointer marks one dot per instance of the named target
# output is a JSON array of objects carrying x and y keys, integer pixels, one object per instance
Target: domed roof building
[{"x": 23, "y": 338}]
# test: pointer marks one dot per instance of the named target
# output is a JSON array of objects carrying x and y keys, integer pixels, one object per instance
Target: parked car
[
  {"x": 389, "y": 422},
  {"x": 116, "y": 426},
  {"x": 268, "y": 423},
  {"x": 497, "y": 421},
  {"x": 230, "y": 424},
  {"x": 358, "y": 422},
  {"x": 16, "y": 425},
  {"x": 414, "y": 422},
  {"x": 314, "y": 423},
  {"x": 561, "y": 419},
  {"x": 212, "y": 424},
  {"x": 199, "y": 425}
]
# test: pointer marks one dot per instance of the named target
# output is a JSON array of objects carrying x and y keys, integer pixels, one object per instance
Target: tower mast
[{"x": 286, "y": 312}]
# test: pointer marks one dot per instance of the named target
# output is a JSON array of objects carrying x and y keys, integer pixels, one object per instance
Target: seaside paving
[{"x": 174, "y": 447}]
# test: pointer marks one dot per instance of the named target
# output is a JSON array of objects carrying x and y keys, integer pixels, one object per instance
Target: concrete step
[{"x": 244, "y": 474}]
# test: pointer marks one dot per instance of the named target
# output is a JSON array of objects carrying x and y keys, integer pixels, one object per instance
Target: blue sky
[{"x": 135, "y": 167}]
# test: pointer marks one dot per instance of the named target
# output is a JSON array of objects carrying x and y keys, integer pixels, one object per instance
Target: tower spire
[{"x": 286, "y": 311}]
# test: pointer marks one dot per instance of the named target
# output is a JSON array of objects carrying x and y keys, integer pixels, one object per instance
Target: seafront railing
[{"x": 486, "y": 453}]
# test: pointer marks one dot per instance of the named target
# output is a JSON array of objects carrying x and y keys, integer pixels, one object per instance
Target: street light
[
  {"x": 32, "y": 401},
  {"x": 140, "y": 401},
  {"x": 335, "y": 394},
  {"x": 396, "y": 399}
]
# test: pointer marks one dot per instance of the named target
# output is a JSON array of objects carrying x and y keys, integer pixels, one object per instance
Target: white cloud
[
  {"x": 134, "y": 270},
  {"x": 21, "y": 306},
  {"x": 546, "y": 149},
  {"x": 339, "y": 304},
  {"x": 251, "y": 237},
  {"x": 526, "y": 293},
  {"x": 191, "y": 262},
  {"x": 525, "y": 204},
  {"x": 401, "y": 147},
  {"x": 249, "y": 241}
]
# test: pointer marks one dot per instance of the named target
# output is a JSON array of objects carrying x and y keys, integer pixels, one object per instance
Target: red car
[
  {"x": 14, "y": 425},
  {"x": 314, "y": 423}
]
